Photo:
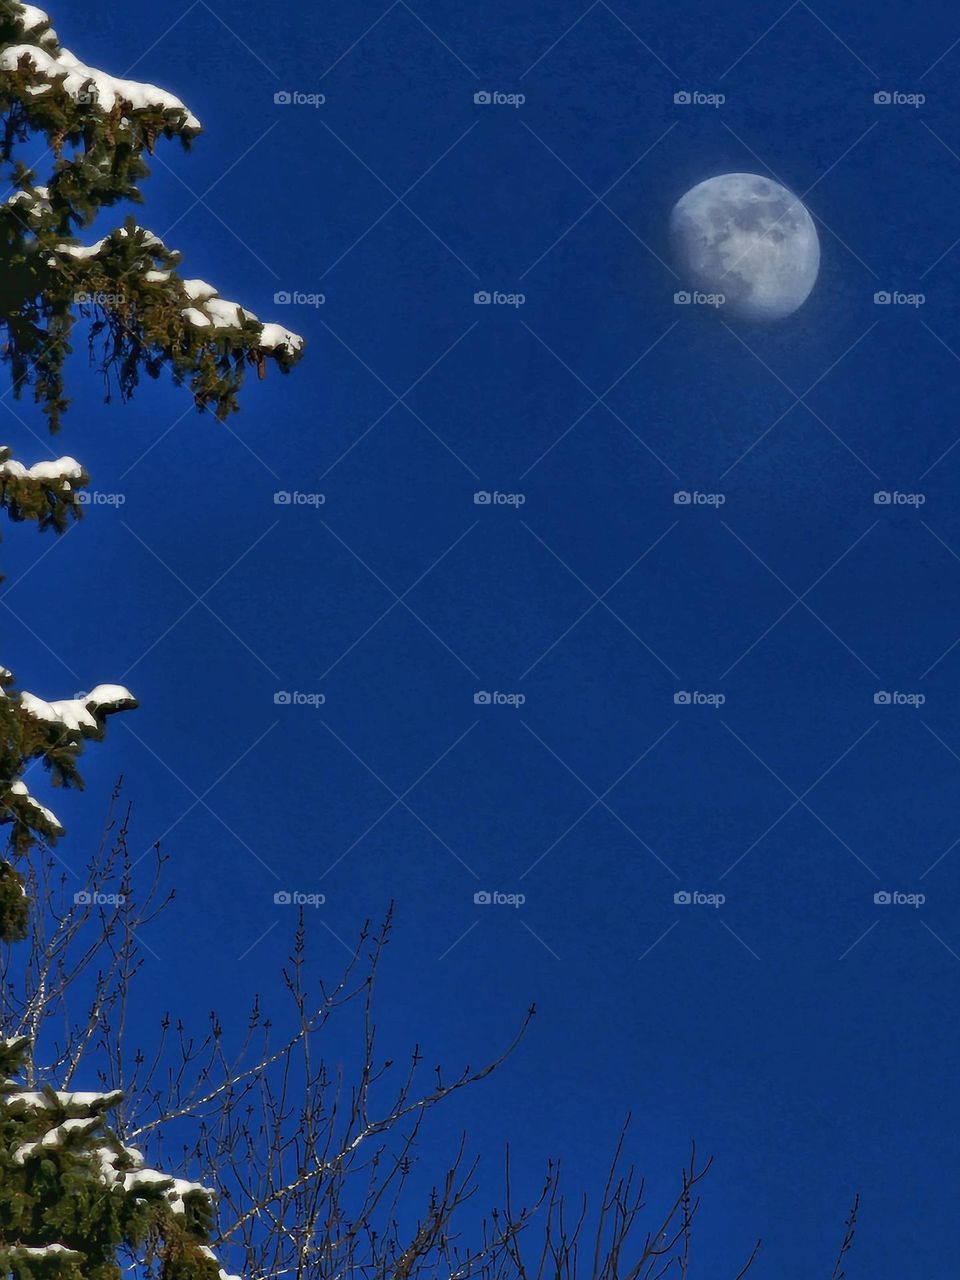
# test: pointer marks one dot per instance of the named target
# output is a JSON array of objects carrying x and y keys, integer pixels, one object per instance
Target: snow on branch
[
  {"x": 146, "y": 317},
  {"x": 84, "y": 716},
  {"x": 45, "y": 492},
  {"x": 52, "y": 69},
  {"x": 130, "y": 276},
  {"x": 209, "y": 310},
  {"x": 59, "y": 473},
  {"x": 203, "y": 308},
  {"x": 54, "y": 733}
]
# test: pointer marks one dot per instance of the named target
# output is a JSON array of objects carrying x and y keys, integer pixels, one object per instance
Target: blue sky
[{"x": 803, "y": 1033}]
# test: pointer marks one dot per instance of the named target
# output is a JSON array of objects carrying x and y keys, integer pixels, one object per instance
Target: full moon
[{"x": 749, "y": 239}]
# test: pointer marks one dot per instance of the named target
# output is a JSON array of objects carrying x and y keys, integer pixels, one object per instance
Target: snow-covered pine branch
[
  {"x": 45, "y": 491},
  {"x": 50, "y": 64},
  {"x": 145, "y": 317},
  {"x": 33, "y": 730}
]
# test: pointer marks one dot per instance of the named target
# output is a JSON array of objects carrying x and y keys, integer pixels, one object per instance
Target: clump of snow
[
  {"x": 33, "y": 203},
  {"x": 208, "y": 1253},
  {"x": 55, "y": 1137},
  {"x": 33, "y": 18},
  {"x": 80, "y": 714},
  {"x": 212, "y": 311},
  {"x": 19, "y": 788},
  {"x": 58, "y": 472},
  {"x": 199, "y": 290},
  {"x": 110, "y": 697},
  {"x": 130, "y": 1179},
  {"x": 43, "y": 1251},
  {"x": 85, "y": 251},
  {"x": 22, "y": 1100},
  {"x": 275, "y": 335}
]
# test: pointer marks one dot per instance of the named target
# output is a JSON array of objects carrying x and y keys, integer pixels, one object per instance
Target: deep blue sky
[{"x": 804, "y": 1035}]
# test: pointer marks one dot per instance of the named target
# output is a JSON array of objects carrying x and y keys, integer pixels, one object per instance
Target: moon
[{"x": 750, "y": 239}]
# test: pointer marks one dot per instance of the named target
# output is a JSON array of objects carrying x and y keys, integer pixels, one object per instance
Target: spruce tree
[
  {"x": 140, "y": 313},
  {"x": 74, "y": 1202}
]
